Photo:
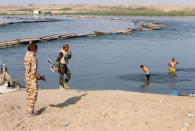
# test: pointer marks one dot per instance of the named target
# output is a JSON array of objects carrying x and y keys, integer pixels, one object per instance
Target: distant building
[{"x": 36, "y": 12}]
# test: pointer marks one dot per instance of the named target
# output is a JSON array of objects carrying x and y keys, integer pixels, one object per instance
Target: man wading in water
[
  {"x": 61, "y": 66},
  {"x": 146, "y": 70},
  {"x": 172, "y": 65}
]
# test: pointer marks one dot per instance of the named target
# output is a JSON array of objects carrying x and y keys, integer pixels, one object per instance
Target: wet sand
[{"x": 112, "y": 110}]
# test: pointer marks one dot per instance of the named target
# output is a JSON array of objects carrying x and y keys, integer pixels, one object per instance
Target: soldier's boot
[
  {"x": 61, "y": 87},
  {"x": 30, "y": 114},
  {"x": 66, "y": 86}
]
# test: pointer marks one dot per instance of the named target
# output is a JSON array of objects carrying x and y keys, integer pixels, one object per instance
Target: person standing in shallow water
[
  {"x": 172, "y": 64},
  {"x": 31, "y": 77},
  {"x": 146, "y": 70},
  {"x": 61, "y": 66}
]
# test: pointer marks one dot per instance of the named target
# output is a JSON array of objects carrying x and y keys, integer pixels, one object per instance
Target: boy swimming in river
[
  {"x": 146, "y": 70},
  {"x": 172, "y": 65}
]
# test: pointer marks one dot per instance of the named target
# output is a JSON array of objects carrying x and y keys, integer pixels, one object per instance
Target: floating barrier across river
[
  {"x": 29, "y": 21},
  {"x": 23, "y": 41},
  {"x": 143, "y": 26}
]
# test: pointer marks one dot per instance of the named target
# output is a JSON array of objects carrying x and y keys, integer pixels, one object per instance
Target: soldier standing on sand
[
  {"x": 31, "y": 77},
  {"x": 61, "y": 66}
]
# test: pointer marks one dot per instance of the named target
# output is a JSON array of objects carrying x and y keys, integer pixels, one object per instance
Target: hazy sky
[{"x": 49, "y": 2}]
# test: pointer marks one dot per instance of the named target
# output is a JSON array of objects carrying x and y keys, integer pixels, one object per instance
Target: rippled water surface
[{"x": 111, "y": 62}]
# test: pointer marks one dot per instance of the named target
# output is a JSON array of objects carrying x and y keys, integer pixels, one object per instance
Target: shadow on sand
[
  {"x": 40, "y": 111},
  {"x": 70, "y": 101}
]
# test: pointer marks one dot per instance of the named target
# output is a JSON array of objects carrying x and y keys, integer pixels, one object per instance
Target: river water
[{"x": 111, "y": 62}]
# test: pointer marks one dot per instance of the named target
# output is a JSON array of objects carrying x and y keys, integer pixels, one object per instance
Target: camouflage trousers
[
  {"x": 31, "y": 95},
  {"x": 64, "y": 70}
]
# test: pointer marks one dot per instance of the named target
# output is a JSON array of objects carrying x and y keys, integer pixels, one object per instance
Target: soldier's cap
[{"x": 65, "y": 46}]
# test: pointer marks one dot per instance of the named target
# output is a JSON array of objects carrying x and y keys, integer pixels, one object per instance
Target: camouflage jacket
[
  {"x": 62, "y": 58},
  {"x": 30, "y": 62}
]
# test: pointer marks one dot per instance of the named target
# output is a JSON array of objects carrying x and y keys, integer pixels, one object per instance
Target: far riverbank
[{"x": 119, "y": 10}]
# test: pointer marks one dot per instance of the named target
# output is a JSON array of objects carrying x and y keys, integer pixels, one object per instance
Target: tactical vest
[{"x": 64, "y": 59}]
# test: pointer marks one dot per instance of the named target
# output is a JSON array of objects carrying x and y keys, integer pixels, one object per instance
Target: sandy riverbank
[{"x": 97, "y": 111}]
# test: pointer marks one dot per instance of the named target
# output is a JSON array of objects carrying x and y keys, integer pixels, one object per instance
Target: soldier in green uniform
[{"x": 61, "y": 66}]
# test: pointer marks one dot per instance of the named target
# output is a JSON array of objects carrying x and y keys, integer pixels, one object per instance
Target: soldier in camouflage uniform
[
  {"x": 61, "y": 66},
  {"x": 31, "y": 77}
]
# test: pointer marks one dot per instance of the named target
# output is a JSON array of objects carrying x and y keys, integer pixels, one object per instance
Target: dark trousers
[{"x": 64, "y": 70}]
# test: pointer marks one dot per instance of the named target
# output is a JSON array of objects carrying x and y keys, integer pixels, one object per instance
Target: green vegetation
[
  {"x": 66, "y": 9},
  {"x": 116, "y": 8},
  {"x": 140, "y": 8},
  {"x": 128, "y": 8},
  {"x": 26, "y": 9},
  {"x": 133, "y": 13},
  {"x": 3, "y": 14}
]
